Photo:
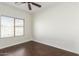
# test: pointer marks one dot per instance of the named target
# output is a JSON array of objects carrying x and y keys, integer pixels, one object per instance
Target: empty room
[{"x": 39, "y": 28}]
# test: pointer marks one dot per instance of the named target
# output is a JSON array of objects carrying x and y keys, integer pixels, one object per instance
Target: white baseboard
[
  {"x": 55, "y": 46},
  {"x": 15, "y": 44}
]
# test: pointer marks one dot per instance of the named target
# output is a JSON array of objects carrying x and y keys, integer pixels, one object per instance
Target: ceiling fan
[{"x": 29, "y": 4}]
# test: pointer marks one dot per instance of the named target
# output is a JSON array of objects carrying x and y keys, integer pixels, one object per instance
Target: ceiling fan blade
[
  {"x": 35, "y": 4},
  {"x": 18, "y": 3},
  {"x": 29, "y": 6},
  {"x": 23, "y": 2}
]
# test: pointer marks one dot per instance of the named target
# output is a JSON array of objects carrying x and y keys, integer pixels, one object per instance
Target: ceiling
[{"x": 34, "y": 8}]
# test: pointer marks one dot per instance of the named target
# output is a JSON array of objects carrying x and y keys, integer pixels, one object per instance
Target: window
[
  {"x": 11, "y": 27},
  {"x": 18, "y": 27}
]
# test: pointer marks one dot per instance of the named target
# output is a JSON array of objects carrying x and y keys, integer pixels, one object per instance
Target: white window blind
[{"x": 19, "y": 27}]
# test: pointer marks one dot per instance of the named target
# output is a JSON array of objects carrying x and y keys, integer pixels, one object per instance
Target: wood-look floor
[{"x": 34, "y": 49}]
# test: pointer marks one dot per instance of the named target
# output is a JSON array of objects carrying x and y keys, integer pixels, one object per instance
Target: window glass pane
[
  {"x": 18, "y": 31},
  {"x": 7, "y": 31},
  {"x": 7, "y": 21},
  {"x": 7, "y": 26},
  {"x": 18, "y": 22}
]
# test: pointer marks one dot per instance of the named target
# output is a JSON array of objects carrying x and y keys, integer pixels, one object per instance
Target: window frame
[{"x": 14, "y": 26}]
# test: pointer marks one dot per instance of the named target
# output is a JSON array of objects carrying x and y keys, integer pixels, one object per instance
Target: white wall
[
  {"x": 14, "y": 12},
  {"x": 58, "y": 26}
]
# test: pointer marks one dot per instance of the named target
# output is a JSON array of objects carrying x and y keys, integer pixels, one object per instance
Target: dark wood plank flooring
[{"x": 34, "y": 49}]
